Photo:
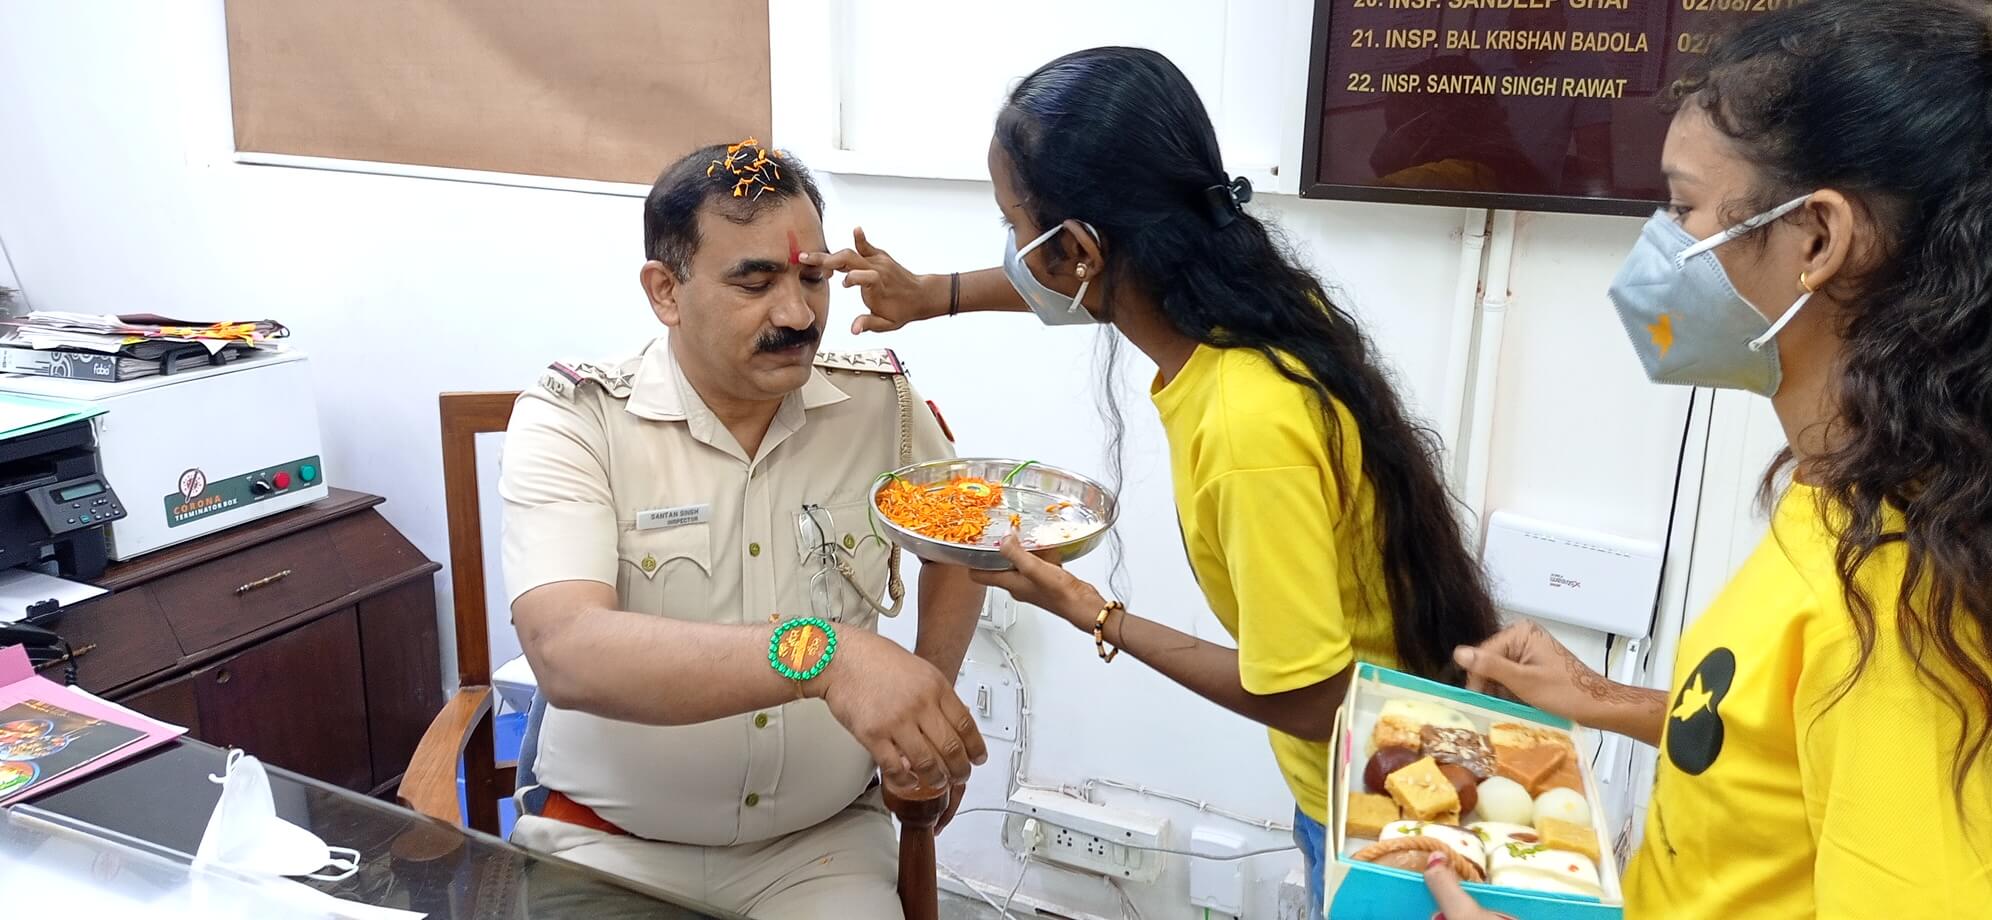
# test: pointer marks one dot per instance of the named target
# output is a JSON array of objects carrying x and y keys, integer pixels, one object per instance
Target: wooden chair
[{"x": 462, "y": 731}]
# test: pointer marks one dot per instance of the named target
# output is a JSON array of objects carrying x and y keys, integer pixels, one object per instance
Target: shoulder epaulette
[
  {"x": 881, "y": 361},
  {"x": 563, "y": 379}
]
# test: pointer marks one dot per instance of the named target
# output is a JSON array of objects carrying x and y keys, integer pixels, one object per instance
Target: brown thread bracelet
[
  {"x": 1100, "y": 631},
  {"x": 954, "y": 293}
]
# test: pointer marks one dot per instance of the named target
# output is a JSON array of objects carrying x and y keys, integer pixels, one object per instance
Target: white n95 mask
[
  {"x": 245, "y": 834},
  {"x": 1051, "y": 307},
  {"x": 1686, "y": 321}
]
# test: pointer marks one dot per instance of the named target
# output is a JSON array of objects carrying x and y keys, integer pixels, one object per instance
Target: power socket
[
  {"x": 989, "y": 689},
  {"x": 1076, "y": 833},
  {"x": 998, "y": 612}
]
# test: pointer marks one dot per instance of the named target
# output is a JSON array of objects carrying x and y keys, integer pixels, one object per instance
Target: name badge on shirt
[{"x": 660, "y": 518}]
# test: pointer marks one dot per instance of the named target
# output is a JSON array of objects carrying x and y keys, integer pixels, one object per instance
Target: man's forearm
[
  {"x": 650, "y": 669},
  {"x": 950, "y": 604}
]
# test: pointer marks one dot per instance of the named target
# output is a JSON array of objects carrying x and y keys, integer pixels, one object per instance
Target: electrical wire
[
  {"x": 1019, "y": 749},
  {"x": 1232, "y": 857},
  {"x": 1019, "y": 778},
  {"x": 1020, "y": 759},
  {"x": 1128, "y": 910},
  {"x": 1022, "y": 871},
  {"x": 1200, "y": 805},
  {"x": 974, "y": 889}
]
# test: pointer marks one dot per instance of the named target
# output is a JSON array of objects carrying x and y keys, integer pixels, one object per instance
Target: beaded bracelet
[
  {"x": 1100, "y": 630},
  {"x": 795, "y": 642}
]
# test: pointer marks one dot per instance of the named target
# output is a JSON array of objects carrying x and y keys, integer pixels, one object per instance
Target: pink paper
[
  {"x": 14, "y": 664},
  {"x": 19, "y": 684}
]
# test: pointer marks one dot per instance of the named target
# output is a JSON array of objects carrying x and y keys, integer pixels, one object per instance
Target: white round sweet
[
  {"x": 1504, "y": 801},
  {"x": 1563, "y": 805}
]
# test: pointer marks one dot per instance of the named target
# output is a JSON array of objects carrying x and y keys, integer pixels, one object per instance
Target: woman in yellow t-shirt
[
  {"x": 1311, "y": 507},
  {"x": 1824, "y": 746}
]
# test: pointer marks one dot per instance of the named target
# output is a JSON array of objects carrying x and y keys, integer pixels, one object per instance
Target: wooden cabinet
[
  {"x": 297, "y": 701},
  {"x": 398, "y": 644},
  {"x": 308, "y": 639},
  {"x": 172, "y": 702}
]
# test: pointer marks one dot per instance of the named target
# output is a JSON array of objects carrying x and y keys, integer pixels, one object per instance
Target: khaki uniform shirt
[{"x": 620, "y": 474}]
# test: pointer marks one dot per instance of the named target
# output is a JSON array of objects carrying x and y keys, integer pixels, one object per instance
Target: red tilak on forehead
[{"x": 795, "y": 251}]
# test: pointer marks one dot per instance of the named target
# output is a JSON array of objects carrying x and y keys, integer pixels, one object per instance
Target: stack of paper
[
  {"x": 23, "y": 588},
  {"x": 134, "y": 334}
]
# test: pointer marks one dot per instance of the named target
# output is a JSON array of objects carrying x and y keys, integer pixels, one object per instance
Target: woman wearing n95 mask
[
  {"x": 1312, "y": 511},
  {"x": 1824, "y": 745}
]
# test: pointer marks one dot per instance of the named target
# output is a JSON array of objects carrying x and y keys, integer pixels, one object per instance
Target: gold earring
[{"x": 1805, "y": 285}]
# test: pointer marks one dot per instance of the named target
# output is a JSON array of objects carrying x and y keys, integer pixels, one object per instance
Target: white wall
[
  {"x": 1742, "y": 440},
  {"x": 111, "y": 199}
]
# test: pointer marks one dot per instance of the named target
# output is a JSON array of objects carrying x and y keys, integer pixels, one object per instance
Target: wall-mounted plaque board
[{"x": 1544, "y": 105}]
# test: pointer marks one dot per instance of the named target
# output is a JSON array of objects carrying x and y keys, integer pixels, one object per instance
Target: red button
[{"x": 282, "y": 480}]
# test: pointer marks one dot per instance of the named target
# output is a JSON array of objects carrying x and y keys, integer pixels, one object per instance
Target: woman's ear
[
  {"x": 1829, "y": 237},
  {"x": 1088, "y": 250}
]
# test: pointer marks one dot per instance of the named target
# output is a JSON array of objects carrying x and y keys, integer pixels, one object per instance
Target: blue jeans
[{"x": 1312, "y": 838}]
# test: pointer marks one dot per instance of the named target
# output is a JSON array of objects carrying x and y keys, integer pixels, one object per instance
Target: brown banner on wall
[{"x": 588, "y": 89}]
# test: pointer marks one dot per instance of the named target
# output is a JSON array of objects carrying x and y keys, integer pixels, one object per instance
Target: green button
[
  {"x": 307, "y": 472},
  {"x": 850, "y": 542},
  {"x": 753, "y": 549},
  {"x": 753, "y": 799},
  {"x": 761, "y": 720}
]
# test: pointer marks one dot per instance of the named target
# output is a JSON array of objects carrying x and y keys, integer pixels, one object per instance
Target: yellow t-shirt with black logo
[
  {"x": 1775, "y": 800},
  {"x": 1295, "y": 577}
]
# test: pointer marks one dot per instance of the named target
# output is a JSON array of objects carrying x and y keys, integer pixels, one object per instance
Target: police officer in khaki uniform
[{"x": 669, "y": 516}]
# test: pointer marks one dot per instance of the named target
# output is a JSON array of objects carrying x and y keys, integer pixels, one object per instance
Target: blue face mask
[
  {"x": 1051, "y": 307},
  {"x": 1686, "y": 320}
]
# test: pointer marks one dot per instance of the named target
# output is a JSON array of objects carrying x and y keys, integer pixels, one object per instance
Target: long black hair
[
  {"x": 1891, "y": 105},
  {"x": 1117, "y": 137}
]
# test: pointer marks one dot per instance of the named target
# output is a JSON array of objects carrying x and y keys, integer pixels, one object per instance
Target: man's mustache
[{"x": 782, "y": 338}]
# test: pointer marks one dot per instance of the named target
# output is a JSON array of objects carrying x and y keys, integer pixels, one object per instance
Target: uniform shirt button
[
  {"x": 753, "y": 799},
  {"x": 754, "y": 549},
  {"x": 761, "y": 720}
]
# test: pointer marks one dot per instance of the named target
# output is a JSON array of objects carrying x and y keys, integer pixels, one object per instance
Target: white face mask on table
[{"x": 245, "y": 834}]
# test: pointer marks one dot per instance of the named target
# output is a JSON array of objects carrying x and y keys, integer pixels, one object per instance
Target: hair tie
[{"x": 1227, "y": 201}]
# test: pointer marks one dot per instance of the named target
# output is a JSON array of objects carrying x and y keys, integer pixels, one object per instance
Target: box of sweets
[{"x": 1418, "y": 767}]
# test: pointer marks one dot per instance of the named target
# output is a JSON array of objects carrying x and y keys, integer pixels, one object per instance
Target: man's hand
[
  {"x": 894, "y": 295},
  {"x": 1044, "y": 584},
  {"x": 902, "y": 710}
]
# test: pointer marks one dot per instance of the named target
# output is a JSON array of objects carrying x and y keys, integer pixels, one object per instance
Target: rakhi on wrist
[{"x": 801, "y": 648}]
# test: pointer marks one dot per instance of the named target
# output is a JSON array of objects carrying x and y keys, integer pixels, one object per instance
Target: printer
[
  {"x": 55, "y": 502},
  {"x": 195, "y": 451}
]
